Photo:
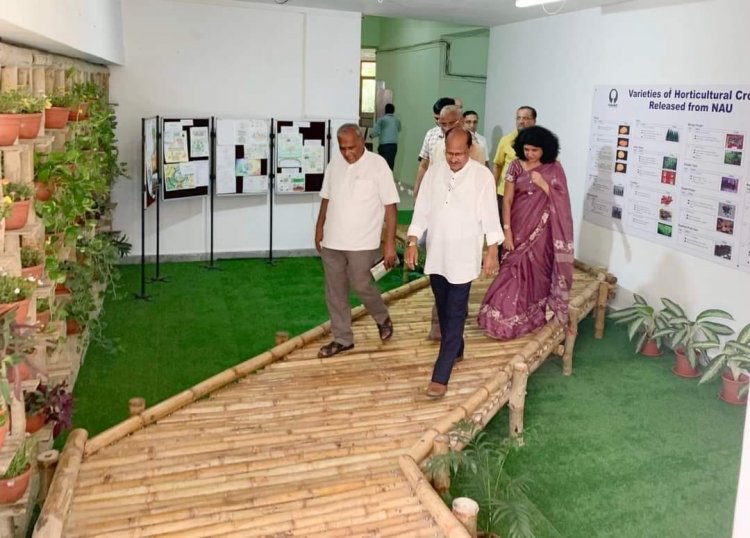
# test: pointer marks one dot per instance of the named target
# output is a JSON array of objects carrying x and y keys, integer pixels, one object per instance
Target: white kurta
[{"x": 458, "y": 210}]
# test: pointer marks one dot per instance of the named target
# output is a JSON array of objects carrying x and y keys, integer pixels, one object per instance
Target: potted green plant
[
  {"x": 15, "y": 292},
  {"x": 643, "y": 321},
  {"x": 21, "y": 194},
  {"x": 56, "y": 114},
  {"x": 30, "y": 110},
  {"x": 42, "y": 312},
  {"x": 691, "y": 339},
  {"x": 732, "y": 363},
  {"x": 49, "y": 404},
  {"x": 15, "y": 480},
  {"x": 10, "y": 105},
  {"x": 32, "y": 263},
  {"x": 478, "y": 473}
]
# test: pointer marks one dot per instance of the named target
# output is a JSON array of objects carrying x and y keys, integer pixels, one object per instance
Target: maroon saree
[{"x": 539, "y": 272}]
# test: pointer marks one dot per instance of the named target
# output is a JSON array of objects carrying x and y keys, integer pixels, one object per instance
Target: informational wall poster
[
  {"x": 671, "y": 164},
  {"x": 242, "y": 156},
  {"x": 300, "y": 156},
  {"x": 150, "y": 160},
  {"x": 187, "y": 157}
]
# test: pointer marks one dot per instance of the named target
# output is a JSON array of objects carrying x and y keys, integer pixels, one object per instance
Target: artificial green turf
[{"x": 623, "y": 448}]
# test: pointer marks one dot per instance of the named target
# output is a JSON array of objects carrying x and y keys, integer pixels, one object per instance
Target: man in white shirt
[
  {"x": 457, "y": 208},
  {"x": 358, "y": 191}
]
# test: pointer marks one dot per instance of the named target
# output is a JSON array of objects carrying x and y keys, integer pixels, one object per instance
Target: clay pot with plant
[
  {"x": 15, "y": 293},
  {"x": 15, "y": 480},
  {"x": 56, "y": 114},
  {"x": 643, "y": 321},
  {"x": 691, "y": 339},
  {"x": 10, "y": 105},
  {"x": 49, "y": 405},
  {"x": 733, "y": 364},
  {"x": 42, "y": 312},
  {"x": 32, "y": 263},
  {"x": 20, "y": 194},
  {"x": 30, "y": 114}
]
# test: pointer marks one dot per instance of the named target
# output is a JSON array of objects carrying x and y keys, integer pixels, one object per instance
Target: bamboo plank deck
[{"x": 302, "y": 446}]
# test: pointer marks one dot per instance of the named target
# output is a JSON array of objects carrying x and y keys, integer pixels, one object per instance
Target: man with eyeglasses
[{"x": 430, "y": 137}]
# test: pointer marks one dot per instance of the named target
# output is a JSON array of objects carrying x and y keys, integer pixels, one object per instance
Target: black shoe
[
  {"x": 333, "y": 348},
  {"x": 385, "y": 329}
]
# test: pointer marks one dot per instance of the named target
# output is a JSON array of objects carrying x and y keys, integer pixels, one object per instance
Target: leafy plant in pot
[
  {"x": 644, "y": 321},
  {"x": 10, "y": 106},
  {"x": 15, "y": 292},
  {"x": 56, "y": 114},
  {"x": 32, "y": 263},
  {"x": 478, "y": 473},
  {"x": 732, "y": 364},
  {"x": 53, "y": 404},
  {"x": 15, "y": 480},
  {"x": 30, "y": 114},
  {"x": 691, "y": 339},
  {"x": 21, "y": 194}
]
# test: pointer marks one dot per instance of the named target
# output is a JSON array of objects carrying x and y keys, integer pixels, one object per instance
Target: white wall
[
  {"x": 89, "y": 29},
  {"x": 229, "y": 59},
  {"x": 554, "y": 63}
]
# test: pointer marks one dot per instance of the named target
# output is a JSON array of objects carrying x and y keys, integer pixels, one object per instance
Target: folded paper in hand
[{"x": 378, "y": 270}]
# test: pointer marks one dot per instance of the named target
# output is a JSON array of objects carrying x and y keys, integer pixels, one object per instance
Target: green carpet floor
[{"x": 623, "y": 448}]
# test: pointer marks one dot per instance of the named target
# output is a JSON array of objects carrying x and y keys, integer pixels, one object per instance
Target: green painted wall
[{"x": 416, "y": 74}]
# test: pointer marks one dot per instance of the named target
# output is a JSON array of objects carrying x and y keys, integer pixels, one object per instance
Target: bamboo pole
[
  {"x": 136, "y": 406},
  {"x": 450, "y": 526},
  {"x": 281, "y": 337},
  {"x": 466, "y": 511},
  {"x": 52, "y": 518},
  {"x": 46, "y": 463},
  {"x": 517, "y": 401},
  {"x": 601, "y": 309},
  {"x": 441, "y": 477},
  {"x": 570, "y": 340}
]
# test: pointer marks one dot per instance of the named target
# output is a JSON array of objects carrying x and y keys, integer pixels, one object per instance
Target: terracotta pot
[
  {"x": 22, "y": 309},
  {"x": 24, "y": 372},
  {"x": 72, "y": 327},
  {"x": 29, "y": 125},
  {"x": 61, "y": 289},
  {"x": 35, "y": 422},
  {"x": 19, "y": 214},
  {"x": 79, "y": 113},
  {"x": 12, "y": 489},
  {"x": 682, "y": 365},
  {"x": 42, "y": 318},
  {"x": 36, "y": 271},
  {"x": 731, "y": 388},
  {"x": 9, "y": 125},
  {"x": 650, "y": 349},
  {"x": 43, "y": 191},
  {"x": 56, "y": 117}
]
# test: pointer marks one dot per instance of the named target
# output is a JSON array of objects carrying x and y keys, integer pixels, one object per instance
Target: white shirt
[
  {"x": 430, "y": 138},
  {"x": 357, "y": 195},
  {"x": 458, "y": 210}
]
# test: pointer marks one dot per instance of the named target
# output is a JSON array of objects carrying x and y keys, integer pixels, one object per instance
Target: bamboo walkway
[{"x": 287, "y": 444}]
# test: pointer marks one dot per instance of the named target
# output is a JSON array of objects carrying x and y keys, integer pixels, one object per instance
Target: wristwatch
[
  {"x": 506, "y": 226},
  {"x": 411, "y": 244}
]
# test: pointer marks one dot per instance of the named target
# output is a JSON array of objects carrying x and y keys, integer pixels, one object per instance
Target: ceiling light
[{"x": 529, "y": 3}]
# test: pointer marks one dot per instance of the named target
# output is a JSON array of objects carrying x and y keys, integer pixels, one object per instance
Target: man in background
[
  {"x": 525, "y": 117},
  {"x": 430, "y": 137},
  {"x": 358, "y": 191},
  {"x": 471, "y": 123},
  {"x": 387, "y": 129}
]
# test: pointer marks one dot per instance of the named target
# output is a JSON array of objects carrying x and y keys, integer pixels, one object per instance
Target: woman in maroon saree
[{"x": 536, "y": 268}]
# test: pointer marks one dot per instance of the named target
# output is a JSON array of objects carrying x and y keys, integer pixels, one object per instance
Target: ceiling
[{"x": 471, "y": 12}]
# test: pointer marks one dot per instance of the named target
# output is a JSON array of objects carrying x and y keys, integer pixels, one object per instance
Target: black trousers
[
  {"x": 388, "y": 152},
  {"x": 452, "y": 301}
]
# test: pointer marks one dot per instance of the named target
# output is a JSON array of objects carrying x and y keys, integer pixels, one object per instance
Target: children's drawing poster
[
  {"x": 243, "y": 155},
  {"x": 668, "y": 164},
  {"x": 186, "y": 154},
  {"x": 300, "y": 156}
]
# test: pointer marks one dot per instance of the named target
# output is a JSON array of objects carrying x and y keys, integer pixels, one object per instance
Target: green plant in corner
[
  {"x": 734, "y": 357},
  {"x": 643, "y": 320},
  {"x": 693, "y": 337},
  {"x": 479, "y": 468}
]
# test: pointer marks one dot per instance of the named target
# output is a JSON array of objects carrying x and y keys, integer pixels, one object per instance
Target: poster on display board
[
  {"x": 243, "y": 156},
  {"x": 186, "y": 157},
  {"x": 670, "y": 164},
  {"x": 149, "y": 147},
  {"x": 300, "y": 156}
]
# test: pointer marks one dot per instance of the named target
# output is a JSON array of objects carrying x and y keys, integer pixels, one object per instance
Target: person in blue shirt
[{"x": 387, "y": 129}]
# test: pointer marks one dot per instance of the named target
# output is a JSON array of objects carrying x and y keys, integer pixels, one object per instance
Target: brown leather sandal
[
  {"x": 385, "y": 329},
  {"x": 333, "y": 348}
]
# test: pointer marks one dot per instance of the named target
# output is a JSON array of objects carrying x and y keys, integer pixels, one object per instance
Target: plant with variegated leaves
[
  {"x": 734, "y": 356},
  {"x": 696, "y": 336},
  {"x": 643, "y": 320}
]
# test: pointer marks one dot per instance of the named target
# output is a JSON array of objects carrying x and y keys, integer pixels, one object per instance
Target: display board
[
  {"x": 186, "y": 157},
  {"x": 300, "y": 156},
  {"x": 150, "y": 159},
  {"x": 668, "y": 164},
  {"x": 243, "y": 156}
]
